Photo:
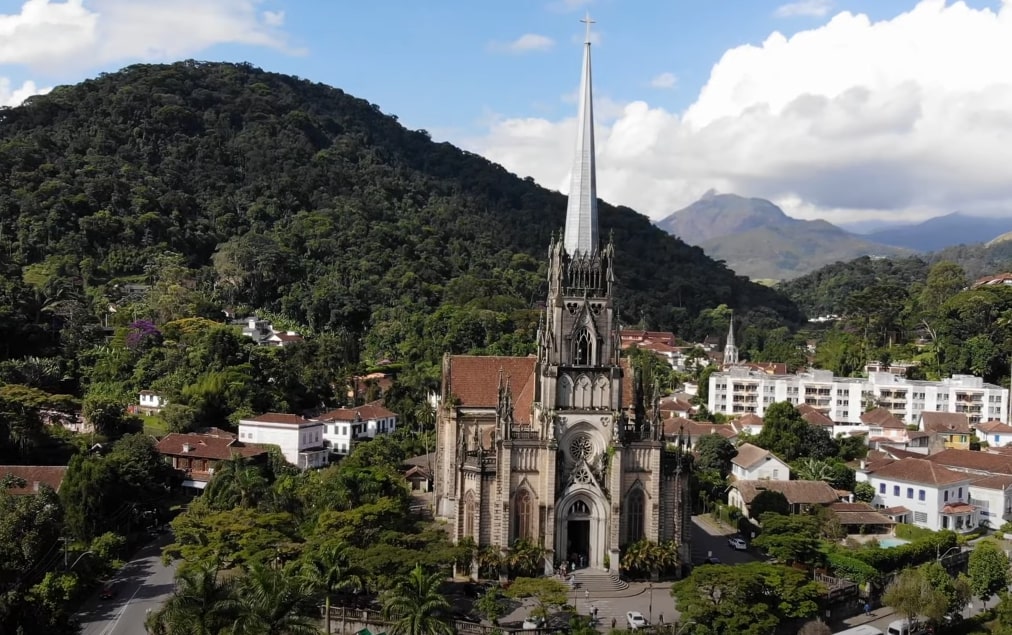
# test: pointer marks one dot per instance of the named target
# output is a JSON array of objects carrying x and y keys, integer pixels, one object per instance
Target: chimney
[
  {"x": 187, "y": 448},
  {"x": 863, "y": 464}
]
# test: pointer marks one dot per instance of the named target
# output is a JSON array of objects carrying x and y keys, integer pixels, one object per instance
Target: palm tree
[
  {"x": 199, "y": 605},
  {"x": 417, "y": 607},
  {"x": 274, "y": 602},
  {"x": 329, "y": 572},
  {"x": 236, "y": 482}
]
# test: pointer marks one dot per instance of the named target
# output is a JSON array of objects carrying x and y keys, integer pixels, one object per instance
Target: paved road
[
  {"x": 144, "y": 583},
  {"x": 711, "y": 540}
]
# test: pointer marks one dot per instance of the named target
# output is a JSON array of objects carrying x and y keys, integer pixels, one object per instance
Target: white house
[
  {"x": 753, "y": 463},
  {"x": 150, "y": 402},
  {"x": 995, "y": 433},
  {"x": 300, "y": 439},
  {"x": 922, "y": 493},
  {"x": 992, "y": 497},
  {"x": 343, "y": 426}
]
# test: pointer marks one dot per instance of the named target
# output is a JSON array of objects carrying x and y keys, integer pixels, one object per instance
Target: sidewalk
[
  {"x": 713, "y": 526},
  {"x": 881, "y": 613}
]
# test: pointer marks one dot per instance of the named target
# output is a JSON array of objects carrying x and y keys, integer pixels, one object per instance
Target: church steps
[{"x": 600, "y": 582}]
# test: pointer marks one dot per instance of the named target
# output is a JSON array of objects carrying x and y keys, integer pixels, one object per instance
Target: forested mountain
[
  {"x": 827, "y": 290},
  {"x": 941, "y": 232},
  {"x": 295, "y": 197},
  {"x": 757, "y": 239}
]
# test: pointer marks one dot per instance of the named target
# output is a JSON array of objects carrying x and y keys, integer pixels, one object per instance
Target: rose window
[{"x": 581, "y": 448}]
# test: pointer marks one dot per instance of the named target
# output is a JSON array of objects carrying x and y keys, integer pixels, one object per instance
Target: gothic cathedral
[{"x": 560, "y": 448}]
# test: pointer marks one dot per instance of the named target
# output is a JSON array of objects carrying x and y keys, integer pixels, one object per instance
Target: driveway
[{"x": 143, "y": 584}]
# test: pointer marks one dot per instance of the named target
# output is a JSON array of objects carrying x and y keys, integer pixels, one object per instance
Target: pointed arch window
[
  {"x": 583, "y": 348},
  {"x": 634, "y": 515},
  {"x": 565, "y": 392},
  {"x": 524, "y": 516},
  {"x": 469, "y": 514}
]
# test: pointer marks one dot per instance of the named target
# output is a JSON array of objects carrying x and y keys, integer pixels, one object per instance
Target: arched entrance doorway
[{"x": 581, "y": 531}]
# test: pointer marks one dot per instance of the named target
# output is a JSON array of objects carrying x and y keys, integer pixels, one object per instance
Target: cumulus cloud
[
  {"x": 274, "y": 18},
  {"x": 664, "y": 80},
  {"x": 10, "y": 96},
  {"x": 524, "y": 44},
  {"x": 853, "y": 119},
  {"x": 809, "y": 8},
  {"x": 50, "y": 35}
]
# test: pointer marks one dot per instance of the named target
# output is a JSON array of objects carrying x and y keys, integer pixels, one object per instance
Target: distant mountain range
[{"x": 757, "y": 239}]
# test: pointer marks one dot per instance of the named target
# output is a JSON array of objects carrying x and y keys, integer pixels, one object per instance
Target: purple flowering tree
[{"x": 142, "y": 334}]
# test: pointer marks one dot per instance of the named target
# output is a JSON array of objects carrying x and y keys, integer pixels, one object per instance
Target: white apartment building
[
  {"x": 922, "y": 493},
  {"x": 739, "y": 391},
  {"x": 300, "y": 440},
  {"x": 343, "y": 426}
]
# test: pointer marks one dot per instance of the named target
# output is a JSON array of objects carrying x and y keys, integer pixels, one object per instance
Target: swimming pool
[{"x": 889, "y": 543}]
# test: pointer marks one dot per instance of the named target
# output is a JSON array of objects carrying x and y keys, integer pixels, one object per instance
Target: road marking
[{"x": 112, "y": 627}]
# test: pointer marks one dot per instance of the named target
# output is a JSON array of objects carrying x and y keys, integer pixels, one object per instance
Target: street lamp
[
  {"x": 939, "y": 558},
  {"x": 79, "y": 558},
  {"x": 651, "y": 602},
  {"x": 682, "y": 627}
]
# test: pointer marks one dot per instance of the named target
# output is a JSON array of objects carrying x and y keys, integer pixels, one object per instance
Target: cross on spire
[{"x": 586, "y": 20}]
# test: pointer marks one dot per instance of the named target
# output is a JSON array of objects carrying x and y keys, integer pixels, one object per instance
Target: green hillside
[{"x": 276, "y": 193}]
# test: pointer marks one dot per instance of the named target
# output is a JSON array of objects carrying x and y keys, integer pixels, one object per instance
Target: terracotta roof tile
[
  {"x": 278, "y": 418},
  {"x": 368, "y": 412},
  {"x": 673, "y": 426},
  {"x": 814, "y": 416},
  {"x": 882, "y": 418},
  {"x": 796, "y": 492},
  {"x": 205, "y": 446},
  {"x": 750, "y": 419},
  {"x": 917, "y": 471},
  {"x": 35, "y": 476},
  {"x": 957, "y": 508},
  {"x": 994, "y": 481},
  {"x": 972, "y": 460},
  {"x": 994, "y": 427},
  {"x": 748, "y": 455},
  {"x": 945, "y": 422},
  {"x": 474, "y": 380},
  {"x": 860, "y": 514}
]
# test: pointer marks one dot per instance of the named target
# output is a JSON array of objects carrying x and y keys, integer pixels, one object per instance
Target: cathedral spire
[
  {"x": 730, "y": 350},
  {"x": 581, "y": 214}
]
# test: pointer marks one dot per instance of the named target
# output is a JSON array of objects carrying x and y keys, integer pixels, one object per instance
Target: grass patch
[
  {"x": 153, "y": 424},
  {"x": 911, "y": 532}
]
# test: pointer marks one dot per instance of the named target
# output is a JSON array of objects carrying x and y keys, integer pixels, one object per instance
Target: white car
[
  {"x": 737, "y": 544},
  {"x": 635, "y": 620},
  {"x": 533, "y": 623}
]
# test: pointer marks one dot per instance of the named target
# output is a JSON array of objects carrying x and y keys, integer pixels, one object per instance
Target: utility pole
[{"x": 64, "y": 540}]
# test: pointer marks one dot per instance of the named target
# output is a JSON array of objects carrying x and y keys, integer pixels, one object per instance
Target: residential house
[
  {"x": 688, "y": 432},
  {"x": 800, "y": 495},
  {"x": 195, "y": 455},
  {"x": 343, "y": 426},
  {"x": 950, "y": 429},
  {"x": 816, "y": 417},
  {"x": 994, "y": 433},
  {"x": 150, "y": 402},
  {"x": 923, "y": 493},
  {"x": 36, "y": 477},
  {"x": 677, "y": 405},
  {"x": 861, "y": 518},
  {"x": 417, "y": 470},
  {"x": 970, "y": 461},
  {"x": 631, "y": 337},
  {"x": 753, "y": 463},
  {"x": 263, "y": 332},
  {"x": 992, "y": 497},
  {"x": 883, "y": 423},
  {"x": 749, "y": 424},
  {"x": 300, "y": 439}
]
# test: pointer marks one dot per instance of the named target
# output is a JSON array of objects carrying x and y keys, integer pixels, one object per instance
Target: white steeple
[
  {"x": 730, "y": 350},
  {"x": 581, "y": 213}
]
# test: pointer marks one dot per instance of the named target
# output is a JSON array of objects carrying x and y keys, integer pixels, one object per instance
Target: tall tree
[
  {"x": 912, "y": 594},
  {"x": 417, "y": 607},
  {"x": 988, "y": 570},
  {"x": 714, "y": 452},
  {"x": 329, "y": 572},
  {"x": 783, "y": 431},
  {"x": 199, "y": 605},
  {"x": 274, "y": 601}
]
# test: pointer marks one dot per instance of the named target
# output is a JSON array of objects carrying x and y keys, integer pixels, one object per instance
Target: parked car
[
  {"x": 738, "y": 544},
  {"x": 109, "y": 591},
  {"x": 635, "y": 620},
  {"x": 711, "y": 560},
  {"x": 533, "y": 623}
]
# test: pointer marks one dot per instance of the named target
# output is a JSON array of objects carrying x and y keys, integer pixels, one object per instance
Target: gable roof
[
  {"x": 205, "y": 446},
  {"x": 994, "y": 427},
  {"x": 35, "y": 476},
  {"x": 474, "y": 381},
  {"x": 814, "y": 416},
  {"x": 796, "y": 492},
  {"x": 749, "y": 455},
  {"x": 882, "y": 418},
  {"x": 921, "y": 471},
  {"x": 368, "y": 412},
  {"x": 672, "y": 427},
  {"x": 971, "y": 460},
  {"x": 279, "y": 418},
  {"x": 750, "y": 419},
  {"x": 859, "y": 514},
  {"x": 945, "y": 422}
]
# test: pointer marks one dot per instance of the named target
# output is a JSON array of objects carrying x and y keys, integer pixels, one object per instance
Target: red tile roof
[
  {"x": 796, "y": 492},
  {"x": 278, "y": 418},
  {"x": 917, "y": 471},
  {"x": 34, "y": 476},
  {"x": 882, "y": 418},
  {"x": 474, "y": 381},
  {"x": 973, "y": 460},
  {"x": 748, "y": 455},
  {"x": 367, "y": 412},
  {"x": 994, "y": 481},
  {"x": 814, "y": 416},
  {"x": 957, "y": 508},
  {"x": 205, "y": 446},
  {"x": 674, "y": 426},
  {"x": 945, "y": 422},
  {"x": 994, "y": 427},
  {"x": 751, "y": 419}
]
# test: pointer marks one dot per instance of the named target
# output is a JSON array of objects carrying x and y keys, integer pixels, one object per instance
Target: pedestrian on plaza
[
  {"x": 660, "y": 618},
  {"x": 613, "y": 622},
  {"x": 867, "y": 609}
]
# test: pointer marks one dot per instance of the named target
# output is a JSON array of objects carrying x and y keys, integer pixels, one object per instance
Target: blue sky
[{"x": 674, "y": 120}]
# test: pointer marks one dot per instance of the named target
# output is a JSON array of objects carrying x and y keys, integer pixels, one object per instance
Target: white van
[
  {"x": 864, "y": 629},
  {"x": 904, "y": 627}
]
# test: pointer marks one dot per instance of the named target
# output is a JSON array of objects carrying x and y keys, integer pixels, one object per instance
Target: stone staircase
[{"x": 598, "y": 582}]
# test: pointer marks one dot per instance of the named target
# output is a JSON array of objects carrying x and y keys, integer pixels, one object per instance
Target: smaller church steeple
[{"x": 730, "y": 350}]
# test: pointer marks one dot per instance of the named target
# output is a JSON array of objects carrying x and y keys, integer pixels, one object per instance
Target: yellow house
[{"x": 951, "y": 429}]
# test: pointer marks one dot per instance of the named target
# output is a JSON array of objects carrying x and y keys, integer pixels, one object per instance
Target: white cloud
[
  {"x": 908, "y": 116},
  {"x": 664, "y": 80},
  {"x": 50, "y": 35},
  {"x": 10, "y": 96},
  {"x": 524, "y": 44},
  {"x": 809, "y": 8},
  {"x": 274, "y": 18}
]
